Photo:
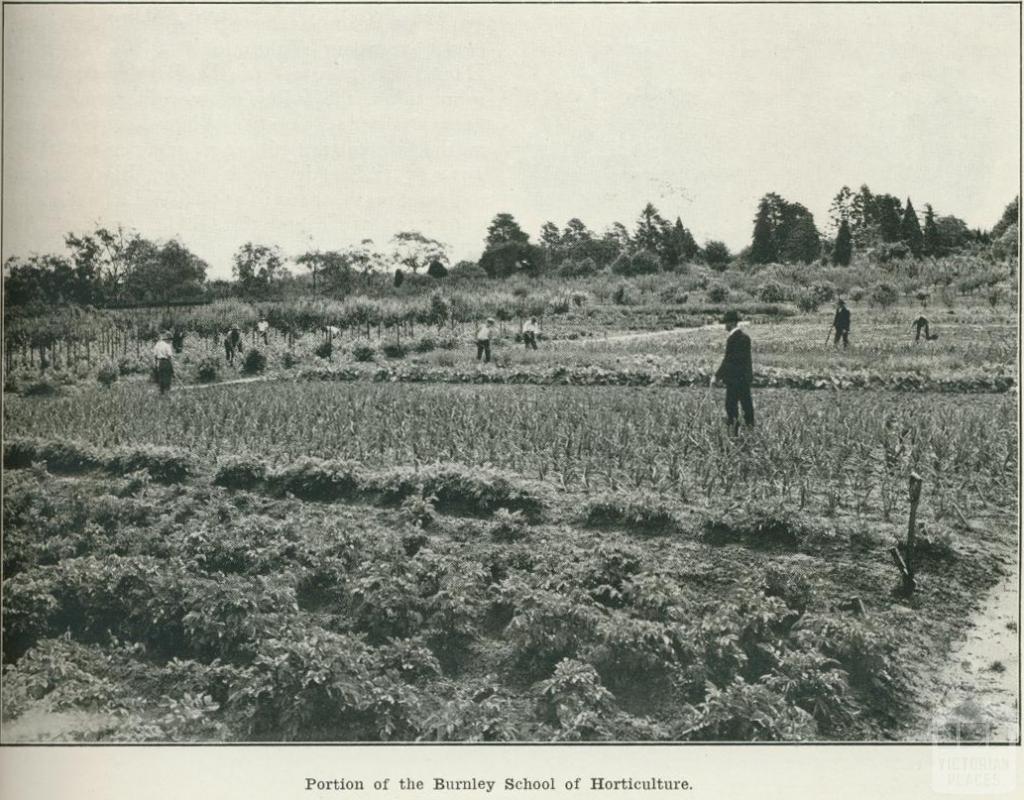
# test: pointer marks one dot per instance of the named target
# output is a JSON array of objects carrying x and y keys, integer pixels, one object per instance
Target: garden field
[{"x": 369, "y": 558}]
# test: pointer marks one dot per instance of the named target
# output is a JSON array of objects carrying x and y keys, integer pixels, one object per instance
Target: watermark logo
[{"x": 973, "y": 754}]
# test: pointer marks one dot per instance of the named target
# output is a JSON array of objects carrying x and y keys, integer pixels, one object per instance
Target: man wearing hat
[
  {"x": 163, "y": 355},
  {"x": 842, "y": 324},
  {"x": 232, "y": 342},
  {"x": 737, "y": 373},
  {"x": 483, "y": 341}
]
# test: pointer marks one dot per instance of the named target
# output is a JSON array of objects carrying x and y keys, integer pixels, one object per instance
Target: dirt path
[
  {"x": 626, "y": 337},
  {"x": 977, "y": 692}
]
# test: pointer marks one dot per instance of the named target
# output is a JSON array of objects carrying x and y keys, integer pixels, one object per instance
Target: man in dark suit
[
  {"x": 841, "y": 323},
  {"x": 737, "y": 373}
]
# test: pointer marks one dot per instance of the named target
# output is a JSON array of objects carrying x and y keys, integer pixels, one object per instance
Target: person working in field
[
  {"x": 262, "y": 327},
  {"x": 232, "y": 344},
  {"x": 483, "y": 340},
  {"x": 163, "y": 357},
  {"x": 737, "y": 373},
  {"x": 530, "y": 331},
  {"x": 922, "y": 323},
  {"x": 841, "y": 323}
]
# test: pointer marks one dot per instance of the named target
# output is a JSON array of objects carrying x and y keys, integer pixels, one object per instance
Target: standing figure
[
  {"x": 922, "y": 322},
  {"x": 737, "y": 373},
  {"x": 483, "y": 341},
  {"x": 842, "y": 324},
  {"x": 530, "y": 330},
  {"x": 232, "y": 343},
  {"x": 163, "y": 357},
  {"x": 261, "y": 328}
]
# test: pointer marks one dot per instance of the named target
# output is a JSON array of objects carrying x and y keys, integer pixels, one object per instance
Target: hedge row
[
  {"x": 974, "y": 383},
  {"x": 454, "y": 487},
  {"x": 164, "y": 464}
]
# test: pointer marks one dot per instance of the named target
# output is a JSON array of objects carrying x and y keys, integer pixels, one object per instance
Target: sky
[{"x": 320, "y": 126}]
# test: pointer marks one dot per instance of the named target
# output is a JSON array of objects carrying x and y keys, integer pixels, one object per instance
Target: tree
[
  {"x": 414, "y": 250},
  {"x": 931, "y": 242},
  {"x": 104, "y": 261},
  {"x": 509, "y": 250},
  {"x": 863, "y": 219},
  {"x": 953, "y": 232},
  {"x": 40, "y": 281},
  {"x": 169, "y": 273},
  {"x": 1010, "y": 214},
  {"x": 888, "y": 212},
  {"x": 437, "y": 270},
  {"x": 651, "y": 230},
  {"x": 366, "y": 259},
  {"x": 330, "y": 269},
  {"x": 508, "y": 258},
  {"x": 801, "y": 237},
  {"x": 842, "y": 252},
  {"x": 679, "y": 245},
  {"x": 842, "y": 209},
  {"x": 257, "y": 266},
  {"x": 910, "y": 230},
  {"x": 550, "y": 236},
  {"x": 504, "y": 228},
  {"x": 717, "y": 254},
  {"x": 763, "y": 249},
  {"x": 576, "y": 233},
  {"x": 617, "y": 233}
]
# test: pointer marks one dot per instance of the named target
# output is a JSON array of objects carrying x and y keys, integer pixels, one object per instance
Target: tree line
[{"x": 118, "y": 267}]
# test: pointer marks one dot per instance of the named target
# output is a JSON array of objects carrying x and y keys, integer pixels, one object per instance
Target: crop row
[
  {"x": 308, "y": 624},
  {"x": 599, "y": 376}
]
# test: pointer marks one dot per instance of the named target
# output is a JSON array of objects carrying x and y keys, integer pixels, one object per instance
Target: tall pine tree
[
  {"x": 843, "y": 250},
  {"x": 932, "y": 242},
  {"x": 910, "y": 230},
  {"x": 763, "y": 249}
]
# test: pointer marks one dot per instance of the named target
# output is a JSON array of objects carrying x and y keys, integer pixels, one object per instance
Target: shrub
[
  {"x": 394, "y": 350},
  {"x": 857, "y": 293},
  {"x": 459, "y": 489},
  {"x": 772, "y": 292},
  {"x": 717, "y": 293},
  {"x": 316, "y": 479},
  {"x": 884, "y": 294},
  {"x": 807, "y": 302},
  {"x": 165, "y": 464},
  {"x": 508, "y": 526},
  {"x": 824, "y": 291},
  {"x": 240, "y": 472},
  {"x": 418, "y": 509},
  {"x": 621, "y": 296},
  {"x": 437, "y": 270},
  {"x": 254, "y": 362},
  {"x": 62, "y": 456},
  {"x": 208, "y": 369},
  {"x": 572, "y": 268},
  {"x": 789, "y": 584},
  {"x": 425, "y": 345},
  {"x": 324, "y": 350},
  {"x": 638, "y": 511},
  {"x": 289, "y": 359},
  {"x": 363, "y": 352},
  {"x": 107, "y": 374},
  {"x": 750, "y": 712},
  {"x": 40, "y": 387}
]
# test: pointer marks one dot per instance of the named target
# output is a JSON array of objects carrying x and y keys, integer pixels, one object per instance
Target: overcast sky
[{"x": 319, "y": 126}]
